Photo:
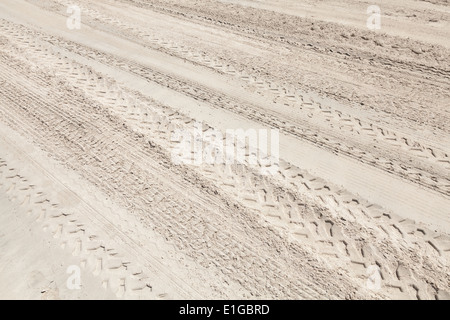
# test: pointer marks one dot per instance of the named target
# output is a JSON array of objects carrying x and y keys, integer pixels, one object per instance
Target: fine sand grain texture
[{"x": 96, "y": 204}]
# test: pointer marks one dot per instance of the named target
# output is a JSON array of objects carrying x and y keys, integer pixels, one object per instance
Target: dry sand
[{"x": 359, "y": 207}]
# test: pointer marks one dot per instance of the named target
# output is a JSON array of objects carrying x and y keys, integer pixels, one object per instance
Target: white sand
[{"x": 359, "y": 208}]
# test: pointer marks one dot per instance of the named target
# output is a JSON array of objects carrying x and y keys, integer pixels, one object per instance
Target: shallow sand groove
[{"x": 87, "y": 177}]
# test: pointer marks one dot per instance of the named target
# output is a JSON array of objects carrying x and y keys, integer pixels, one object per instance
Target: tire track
[
  {"x": 180, "y": 226},
  {"x": 286, "y": 96},
  {"x": 222, "y": 178},
  {"x": 124, "y": 278},
  {"x": 298, "y": 129}
]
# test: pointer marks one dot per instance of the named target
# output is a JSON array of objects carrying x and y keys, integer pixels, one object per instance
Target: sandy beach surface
[{"x": 347, "y": 195}]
